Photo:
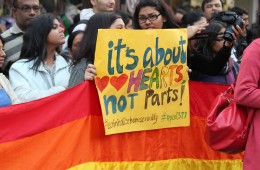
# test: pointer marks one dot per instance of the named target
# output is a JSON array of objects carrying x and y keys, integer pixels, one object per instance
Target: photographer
[{"x": 209, "y": 59}]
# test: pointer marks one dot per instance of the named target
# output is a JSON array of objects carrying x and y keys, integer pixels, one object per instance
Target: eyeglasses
[
  {"x": 29, "y": 9},
  {"x": 150, "y": 17},
  {"x": 220, "y": 39}
]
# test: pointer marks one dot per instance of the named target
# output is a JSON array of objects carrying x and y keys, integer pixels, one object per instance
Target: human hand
[
  {"x": 188, "y": 69},
  {"x": 243, "y": 33},
  {"x": 194, "y": 29},
  {"x": 90, "y": 72},
  {"x": 237, "y": 32}
]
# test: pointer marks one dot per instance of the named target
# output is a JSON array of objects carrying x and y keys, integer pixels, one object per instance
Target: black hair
[
  {"x": 208, "y": 1},
  {"x": 88, "y": 43},
  {"x": 34, "y": 39},
  {"x": 205, "y": 45},
  {"x": 72, "y": 37},
  {"x": 239, "y": 11},
  {"x": 2, "y": 39},
  {"x": 190, "y": 18},
  {"x": 179, "y": 10},
  {"x": 126, "y": 17},
  {"x": 161, "y": 7},
  {"x": 76, "y": 20}
]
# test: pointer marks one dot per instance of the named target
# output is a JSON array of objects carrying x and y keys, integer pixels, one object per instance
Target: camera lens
[
  {"x": 239, "y": 22},
  {"x": 228, "y": 33}
]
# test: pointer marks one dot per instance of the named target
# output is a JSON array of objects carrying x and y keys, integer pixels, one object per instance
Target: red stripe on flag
[
  {"x": 23, "y": 120},
  {"x": 202, "y": 96}
]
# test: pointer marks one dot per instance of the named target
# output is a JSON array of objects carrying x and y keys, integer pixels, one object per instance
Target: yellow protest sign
[{"x": 142, "y": 79}]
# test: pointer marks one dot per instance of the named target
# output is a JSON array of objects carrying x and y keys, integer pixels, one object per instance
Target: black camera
[{"x": 231, "y": 19}]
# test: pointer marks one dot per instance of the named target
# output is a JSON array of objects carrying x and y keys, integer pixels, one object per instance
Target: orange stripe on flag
[{"x": 84, "y": 141}]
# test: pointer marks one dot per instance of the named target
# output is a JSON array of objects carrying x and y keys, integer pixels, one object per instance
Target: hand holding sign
[{"x": 90, "y": 72}]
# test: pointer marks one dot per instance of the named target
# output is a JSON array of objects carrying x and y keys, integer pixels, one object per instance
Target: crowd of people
[{"x": 37, "y": 59}]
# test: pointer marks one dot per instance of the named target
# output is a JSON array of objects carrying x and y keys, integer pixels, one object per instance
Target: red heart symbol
[
  {"x": 102, "y": 82},
  {"x": 118, "y": 82}
]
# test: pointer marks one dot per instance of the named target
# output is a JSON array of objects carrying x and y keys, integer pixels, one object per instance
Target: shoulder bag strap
[{"x": 249, "y": 119}]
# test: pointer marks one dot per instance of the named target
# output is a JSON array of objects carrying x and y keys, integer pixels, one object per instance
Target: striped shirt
[{"x": 13, "y": 38}]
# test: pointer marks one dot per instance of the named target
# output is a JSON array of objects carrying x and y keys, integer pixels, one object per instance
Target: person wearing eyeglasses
[
  {"x": 23, "y": 11},
  {"x": 152, "y": 14},
  {"x": 157, "y": 14},
  {"x": 211, "y": 59}
]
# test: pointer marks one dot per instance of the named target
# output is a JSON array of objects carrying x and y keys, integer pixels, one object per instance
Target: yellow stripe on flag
[{"x": 173, "y": 164}]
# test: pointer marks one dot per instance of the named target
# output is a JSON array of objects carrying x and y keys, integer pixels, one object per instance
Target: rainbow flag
[{"x": 66, "y": 131}]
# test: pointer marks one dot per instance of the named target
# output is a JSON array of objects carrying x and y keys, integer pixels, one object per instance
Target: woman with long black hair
[{"x": 41, "y": 71}]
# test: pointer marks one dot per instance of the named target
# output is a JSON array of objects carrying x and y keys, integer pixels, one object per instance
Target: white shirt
[{"x": 29, "y": 84}]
